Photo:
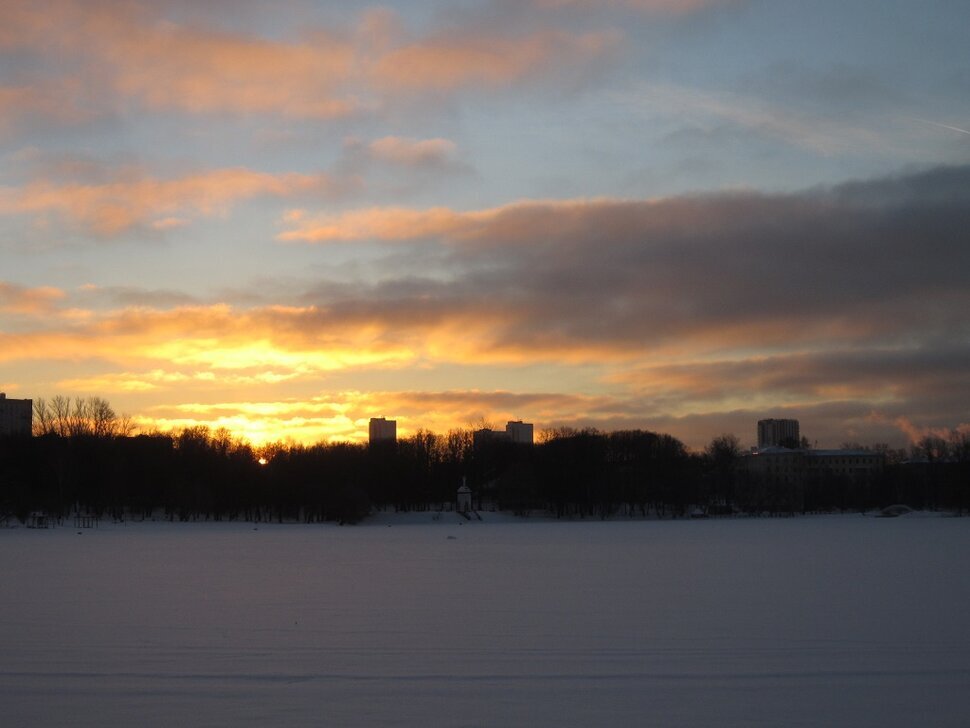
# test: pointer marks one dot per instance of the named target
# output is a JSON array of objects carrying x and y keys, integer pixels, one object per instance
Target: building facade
[
  {"x": 519, "y": 432},
  {"x": 382, "y": 430},
  {"x": 775, "y": 433},
  {"x": 516, "y": 431},
  {"x": 854, "y": 465},
  {"x": 784, "y": 466},
  {"x": 16, "y": 415}
]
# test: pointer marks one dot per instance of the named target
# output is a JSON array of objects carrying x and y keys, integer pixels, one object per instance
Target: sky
[{"x": 682, "y": 216}]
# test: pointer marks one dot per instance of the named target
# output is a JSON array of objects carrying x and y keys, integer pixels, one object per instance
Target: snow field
[{"x": 819, "y": 621}]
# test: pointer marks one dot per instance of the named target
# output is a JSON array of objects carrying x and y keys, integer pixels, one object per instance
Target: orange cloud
[
  {"x": 113, "y": 207},
  {"x": 212, "y": 338},
  {"x": 915, "y": 433},
  {"x": 170, "y": 67},
  {"x": 117, "y": 54},
  {"x": 401, "y": 223},
  {"x": 17, "y": 299},
  {"x": 171, "y": 379},
  {"x": 123, "y": 47},
  {"x": 169, "y": 349},
  {"x": 387, "y": 223}
]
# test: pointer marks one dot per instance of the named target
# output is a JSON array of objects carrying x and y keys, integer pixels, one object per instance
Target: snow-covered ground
[{"x": 820, "y": 621}]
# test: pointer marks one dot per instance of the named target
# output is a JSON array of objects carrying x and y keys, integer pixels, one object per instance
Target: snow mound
[{"x": 895, "y": 511}]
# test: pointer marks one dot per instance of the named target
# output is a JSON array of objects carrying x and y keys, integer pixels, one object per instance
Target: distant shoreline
[{"x": 453, "y": 519}]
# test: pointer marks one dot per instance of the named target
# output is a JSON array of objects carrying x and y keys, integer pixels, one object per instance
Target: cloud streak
[
  {"x": 944, "y": 126},
  {"x": 135, "y": 200},
  {"x": 32, "y": 301},
  {"x": 807, "y": 131},
  {"x": 118, "y": 56}
]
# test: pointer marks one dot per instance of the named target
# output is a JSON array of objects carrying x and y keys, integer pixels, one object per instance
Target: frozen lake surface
[{"x": 820, "y": 621}]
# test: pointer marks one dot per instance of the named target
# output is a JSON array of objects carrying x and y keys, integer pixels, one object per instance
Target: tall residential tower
[
  {"x": 773, "y": 433},
  {"x": 382, "y": 430},
  {"x": 16, "y": 415}
]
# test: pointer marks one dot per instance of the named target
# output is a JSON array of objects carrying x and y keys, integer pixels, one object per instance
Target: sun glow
[
  {"x": 261, "y": 430},
  {"x": 265, "y": 354}
]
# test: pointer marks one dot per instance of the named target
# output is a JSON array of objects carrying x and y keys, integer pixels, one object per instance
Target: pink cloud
[
  {"x": 110, "y": 208},
  {"x": 916, "y": 433},
  {"x": 387, "y": 223},
  {"x": 115, "y": 55},
  {"x": 516, "y": 221},
  {"x": 18, "y": 299}
]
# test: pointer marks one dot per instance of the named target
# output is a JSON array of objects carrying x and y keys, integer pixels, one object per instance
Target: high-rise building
[
  {"x": 519, "y": 432},
  {"x": 773, "y": 433},
  {"x": 516, "y": 431},
  {"x": 382, "y": 430},
  {"x": 16, "y": 415}
]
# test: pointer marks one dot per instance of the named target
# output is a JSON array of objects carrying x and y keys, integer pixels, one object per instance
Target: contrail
[{"x": 944, "y": 126}]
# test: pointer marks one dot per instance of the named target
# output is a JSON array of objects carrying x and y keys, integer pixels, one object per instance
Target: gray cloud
[
  {"x": 882, "y": 261},
  {"x": 126, "y": 296}
]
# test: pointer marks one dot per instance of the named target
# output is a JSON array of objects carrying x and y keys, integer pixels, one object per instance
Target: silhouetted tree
[{"x": 723, "y": 454}]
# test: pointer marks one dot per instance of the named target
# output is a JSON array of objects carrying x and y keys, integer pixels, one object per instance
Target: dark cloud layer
[{"x": 881, "y": 262}]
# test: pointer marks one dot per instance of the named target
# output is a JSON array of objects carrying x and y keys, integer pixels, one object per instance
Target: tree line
[
  {"x": 85, "y": 458},
  {"x": 79, "y": 417}
]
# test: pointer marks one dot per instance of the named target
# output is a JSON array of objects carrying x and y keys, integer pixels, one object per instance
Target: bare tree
[
  {"x": 102, "y": 420},
  {"x": 556, "y": 433},
  {"x": 92, "y": 416},
  {"x": 61, "y": 408},
  {"x": 43, "y": 417},
  {"x": 481, "y": 424},
  {"x": 79, "y": 420},
  {"x": 125, "y": 426}
]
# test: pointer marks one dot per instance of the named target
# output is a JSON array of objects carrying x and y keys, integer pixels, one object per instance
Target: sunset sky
[{"x": 682, "y": 216}]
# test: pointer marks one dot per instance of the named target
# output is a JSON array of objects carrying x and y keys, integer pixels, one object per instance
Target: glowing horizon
[{"x": 673, "y": 216}]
